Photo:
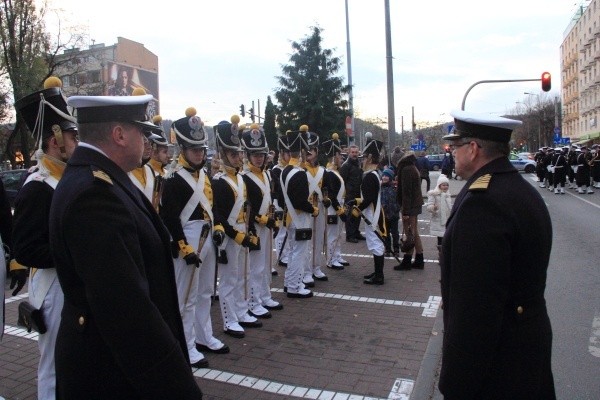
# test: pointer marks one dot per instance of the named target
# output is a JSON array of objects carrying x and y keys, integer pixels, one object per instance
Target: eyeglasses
[{"x": 456, "y": 146}]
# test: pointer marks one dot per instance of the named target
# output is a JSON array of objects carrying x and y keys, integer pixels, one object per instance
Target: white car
[{"x": 522, "y": 163}]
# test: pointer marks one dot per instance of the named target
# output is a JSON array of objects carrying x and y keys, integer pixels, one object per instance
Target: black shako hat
[
  {"x": 46, "y": 109},
  {"x": 189, "y": 131},
  {"x": 481, "y": 126},
  {"x": 372, "y": 146},
  {"x": 227, "y": 134},
  {"x": 254, "y": 140},
  {"x": 332, "y": 146}
]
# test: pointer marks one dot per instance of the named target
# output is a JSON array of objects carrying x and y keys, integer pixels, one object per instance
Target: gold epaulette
[
  {"x": 481, "y": 183},
  {"x": 99, "y": 174}
]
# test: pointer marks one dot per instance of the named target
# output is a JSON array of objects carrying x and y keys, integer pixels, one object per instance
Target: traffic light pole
[{"x": 494, "y": 81}]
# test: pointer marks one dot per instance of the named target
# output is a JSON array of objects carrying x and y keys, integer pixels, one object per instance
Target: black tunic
[
  {"x": 121, "y": 335},
  {"x": 495, "y": 253}
]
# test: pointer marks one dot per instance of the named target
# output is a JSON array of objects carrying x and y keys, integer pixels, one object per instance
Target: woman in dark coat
[{"x": 410, "y": 200}]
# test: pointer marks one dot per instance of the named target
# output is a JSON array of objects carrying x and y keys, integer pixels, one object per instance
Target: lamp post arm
[{"x": 493, "y": 81}]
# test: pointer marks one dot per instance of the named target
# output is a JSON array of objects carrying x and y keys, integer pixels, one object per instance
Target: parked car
[
  {"x": 435, "y": 161},
  {"x": 526, "y": 155},
  {"x": 12, "y": 181},
  {"x": 522, "y": 163}
]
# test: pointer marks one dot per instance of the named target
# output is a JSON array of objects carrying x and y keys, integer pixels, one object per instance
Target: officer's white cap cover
[
  {"x": 131, "y": 109},
  {"x": 482, "y": 126}
]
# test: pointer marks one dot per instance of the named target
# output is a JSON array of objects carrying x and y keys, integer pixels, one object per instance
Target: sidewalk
[{"x": 350, "y": 341}]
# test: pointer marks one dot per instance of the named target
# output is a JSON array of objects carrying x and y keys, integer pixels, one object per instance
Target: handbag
[
  {"x": 407, "y": 240},
  {"x": 303, "y": 234},
  {"x": 31, "y": 318}
]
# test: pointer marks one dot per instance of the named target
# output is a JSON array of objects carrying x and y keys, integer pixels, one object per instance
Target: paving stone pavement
[{"x": 350, "y": 341}]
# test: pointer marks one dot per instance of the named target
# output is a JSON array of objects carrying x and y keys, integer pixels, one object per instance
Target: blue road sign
[{"x": 557, "y": 130}]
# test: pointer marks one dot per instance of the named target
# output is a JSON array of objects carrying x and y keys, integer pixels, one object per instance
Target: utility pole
[
  {"x": 350, "y": 95},
  {"x": 390, "y": 77}
]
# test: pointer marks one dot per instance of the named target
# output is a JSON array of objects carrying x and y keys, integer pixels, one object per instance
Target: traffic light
[
  {"x": 546, "y": 83},
  {"x": 251, "y": 112},
  {"x": 243, "y": 110}
]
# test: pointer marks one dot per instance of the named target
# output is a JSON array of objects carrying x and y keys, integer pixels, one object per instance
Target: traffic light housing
[
  {"x": 546, "y": 82},
  {"x": 242, "y": 110},
  {"x": 251, "y": 112}
]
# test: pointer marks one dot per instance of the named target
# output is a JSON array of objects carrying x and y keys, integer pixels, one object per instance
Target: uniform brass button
[
  {"x": 520, "y": 310},
  {"x": 81, "y": 320}
]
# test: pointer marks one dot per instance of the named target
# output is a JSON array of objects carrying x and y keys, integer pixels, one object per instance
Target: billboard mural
[{"x": 123, "y": 79}]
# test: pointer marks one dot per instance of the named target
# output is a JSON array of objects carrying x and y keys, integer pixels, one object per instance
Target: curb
[{"x": 426, "y": 385}]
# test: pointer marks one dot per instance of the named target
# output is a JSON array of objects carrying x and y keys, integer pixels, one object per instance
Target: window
[
  {"x": 66, "y": 80},
  {"x": 94, "y": 76}
]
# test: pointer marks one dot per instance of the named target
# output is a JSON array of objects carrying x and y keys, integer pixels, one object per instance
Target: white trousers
[
  {"x": 318, "y": 225},
  {"x": 188, "y": 279},
  {"x": 51, "y": 308},
  {"x": 259, "y": 272},
  {"x": 334, "y": 242},
  {"x": 299, "y": 261},
  {"x": 234, "y": 307},
  {"x": 374, "y": 244}
]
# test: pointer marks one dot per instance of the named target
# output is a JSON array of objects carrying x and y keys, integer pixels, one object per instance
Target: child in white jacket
[{"x": 439, "y": 204}]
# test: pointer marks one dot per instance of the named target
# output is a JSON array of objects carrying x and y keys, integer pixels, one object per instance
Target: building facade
[
  {"x": 580, "y": 70},
  {"x": 110, "y": 70}
]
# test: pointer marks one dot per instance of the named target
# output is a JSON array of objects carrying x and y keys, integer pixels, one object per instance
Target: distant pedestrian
[
  {"x": 448, "y": 165},
  {"x": 391, "y": 211},
  {"x": 396, "y": 156},
  {"x": 439, "y": 204},
  {"x": 424, "y": 166},
  {"x": 410, "y": 200}
]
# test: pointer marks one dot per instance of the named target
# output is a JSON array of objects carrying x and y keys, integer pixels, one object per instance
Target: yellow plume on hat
[
  {"x": 138, "y": 92},
  {"x": 335, "y": 136},
  {"x": 190, "y": 112},
  {"x": 304, "y": 128},
  {"x": 52, "y": 82},
  {"x": 254, "y": 126},
  {"x": 156, "y": 119},
  {"x": 235, "y": 119},
  {"x": 242, "y": 127}
]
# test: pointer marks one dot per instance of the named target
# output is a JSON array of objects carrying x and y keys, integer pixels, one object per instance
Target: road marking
[
  {"x": 430, "y": 307},
  {"x": 594, "y": 347},
  {"x": 401, "y": 390},
  {"x": 578, "y": 196},
  {"x": 16, "y": 298},
  {"x": 20, "y": 332}
]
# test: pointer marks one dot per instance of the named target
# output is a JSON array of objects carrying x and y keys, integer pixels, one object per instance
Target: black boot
[
  {"x": 377, "y": 278},
  {"x": 405, "y": 264},
  {"x": 372, "y": 274},
  {"x": 419, "y": 262}
]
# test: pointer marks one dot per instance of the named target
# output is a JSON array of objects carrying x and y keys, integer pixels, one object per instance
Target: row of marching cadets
[{"x": 575, "y": 165}]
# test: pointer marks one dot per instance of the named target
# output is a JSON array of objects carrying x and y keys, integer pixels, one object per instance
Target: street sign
[
  {"x": 450, "y": 127},
  {"x": 418, "y": 147},
  {"x": 557, "y": 130},
  {"x": 349, "y": 126}
]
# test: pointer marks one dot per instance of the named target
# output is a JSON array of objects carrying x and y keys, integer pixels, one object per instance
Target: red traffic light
[{"x": 546, "y": 82}]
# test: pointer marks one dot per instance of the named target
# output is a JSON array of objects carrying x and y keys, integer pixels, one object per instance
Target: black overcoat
[
  {"x": 498, "y": 339},
  {"x": 121, "y": 335}
]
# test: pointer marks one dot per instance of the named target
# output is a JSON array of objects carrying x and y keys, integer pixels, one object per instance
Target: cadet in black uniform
[
  {"x": 559, "y": 166},
  {"x": 583, "y": 172},
  {"x": 495, "y": 252},
  {"x": 120, "y": 335},
  {"x": 369, "y": 204},
  {"x": 299, "y": 216},
  {"x": 282, "y": 244},
  {"x": 231, "y": 219},
  {"x": 56, "y": 135},
  {"x": 186, "y": 209}
]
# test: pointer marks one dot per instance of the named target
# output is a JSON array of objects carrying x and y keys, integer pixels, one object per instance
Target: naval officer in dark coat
[
  {"x": 498, "y": 339},
  {"x": 121, "y": 335}
]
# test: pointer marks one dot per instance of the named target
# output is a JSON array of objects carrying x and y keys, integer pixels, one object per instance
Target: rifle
[
  {"x": 377, "y": 232},
  {"x": 247, "y": 207},
  {"x": 325, "y": 192},
  {"x": 315, "y": 203},
  {"x": 201, "y": 241},
  {"x": 157, "y": 191}
]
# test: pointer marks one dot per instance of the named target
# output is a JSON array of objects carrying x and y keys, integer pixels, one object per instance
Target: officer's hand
[
  {"x": 251, "y": 242},
  {"x": 356, "y": 212},
  {"x": 192, "y": 259},
  {"x": 218, "y": 237},
  {"x": 326, "y": 203},
  {"x": 18, "y": 276},
  {"x": 315, "y": 212}
]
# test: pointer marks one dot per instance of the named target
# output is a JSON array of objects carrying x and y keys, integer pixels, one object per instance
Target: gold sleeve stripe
[{"x": 481, "y": 183}]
